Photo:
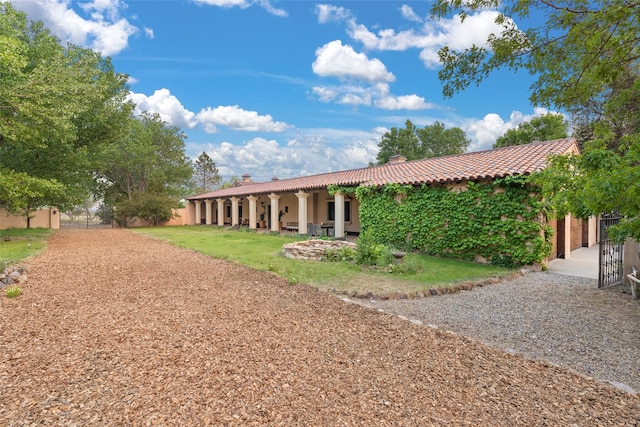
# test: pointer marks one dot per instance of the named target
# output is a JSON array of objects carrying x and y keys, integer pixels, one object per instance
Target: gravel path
[
  {"x": 562, "y": 319},
  {"x": 115, "y": 328}
]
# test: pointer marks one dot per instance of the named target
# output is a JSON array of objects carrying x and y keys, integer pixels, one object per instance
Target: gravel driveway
[
  {"x": 115, "y": 328},
  {"x": 562, "y": 319}
]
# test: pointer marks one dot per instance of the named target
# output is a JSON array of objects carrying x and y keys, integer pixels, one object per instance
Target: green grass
[
  {"x": 263, "y": 252},
  {"x": 18, "y": 244}
]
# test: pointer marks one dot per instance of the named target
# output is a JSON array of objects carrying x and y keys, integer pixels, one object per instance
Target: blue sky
[{"x": 290, "y": 88}]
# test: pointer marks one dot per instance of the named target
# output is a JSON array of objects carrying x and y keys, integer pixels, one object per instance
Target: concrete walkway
[{"x": 583, "y": 262}]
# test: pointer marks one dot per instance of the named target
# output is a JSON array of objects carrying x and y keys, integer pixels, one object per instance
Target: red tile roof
[{"x": 515, "y": 160}]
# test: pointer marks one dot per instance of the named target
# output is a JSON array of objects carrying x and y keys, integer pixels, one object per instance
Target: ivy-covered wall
[{"x": 502, "y": 221}]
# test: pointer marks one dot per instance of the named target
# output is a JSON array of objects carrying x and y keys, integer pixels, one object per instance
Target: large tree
[
  {"x": 59, "y": 106},
  {"x": 205, "y": 174},
  {"x": 616, "y": 111},
  {"x": 436, "y": 140},
  {"x": 582, "y": 47},
  {"x": 149, "y": 160},
  {"x": 543, "y": 128},
  {"x": 585, "y": 59},
  {"x": 415, "y": 143}
]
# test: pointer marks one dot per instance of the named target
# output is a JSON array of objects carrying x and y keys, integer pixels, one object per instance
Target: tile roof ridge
[{"x": 487, "y": 150}]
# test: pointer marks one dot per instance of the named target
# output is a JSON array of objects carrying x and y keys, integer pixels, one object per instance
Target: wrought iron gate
[{"x": 610, "y": 271}]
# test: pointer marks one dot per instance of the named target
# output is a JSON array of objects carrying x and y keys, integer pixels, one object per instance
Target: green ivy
[
  {"x": 502, "y": 221},
  {"x": 334, "y": 188}
]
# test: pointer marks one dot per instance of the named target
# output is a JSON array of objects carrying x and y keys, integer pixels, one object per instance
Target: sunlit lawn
[
  {"x": 18, "y": 244},
  {"x": 263, "y": 252}
]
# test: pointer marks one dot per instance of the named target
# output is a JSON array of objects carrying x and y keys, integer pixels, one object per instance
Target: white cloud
[
  {"x": 432, "y": 36},
  {"x": 325, "y": 94},
  {"x": 266, "y": 5},
  {"x": 360, "y": 153},
  {"x": 484, "y": 132},
  {"x": 329, "y": 13},
  {"x": 225, "y": 3},
  {"x": 409, "y": 14},
  {"x": 377, "y": 95},
  {"x": 457, "y": 36},
  {"x": 355, "y": 99},
  {"x": 149, "y": 32},
  {"x": 337, "y": 60},
  {"x": 236, "y": 118},
  {"x": 388, "y": 39},
  {"x": 166, "y": 105},
  {"x": 99, "y": 7},
  {"x": 243, "y": 4},
  {"x": 174, "y": 113},
  {"x": 103, "y": 30},
  {"x": 404, "y": 102},
  {"x": 312, "y": 151}
]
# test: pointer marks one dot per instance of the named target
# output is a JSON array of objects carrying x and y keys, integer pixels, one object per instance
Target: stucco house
[{"x": 327, "y": 199}]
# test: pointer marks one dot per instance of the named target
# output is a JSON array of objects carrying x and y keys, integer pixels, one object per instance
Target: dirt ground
[{"x": 115, "y": 328}]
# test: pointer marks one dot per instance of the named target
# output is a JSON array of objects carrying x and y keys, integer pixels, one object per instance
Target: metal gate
[{"x": 610, "y": 270}]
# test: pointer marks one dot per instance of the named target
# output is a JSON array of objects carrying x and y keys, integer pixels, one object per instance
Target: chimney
[
  {"x": 275, "y": 178},
  {"x": 396, "y": 158},
  {"x": 246, "y": 178}
]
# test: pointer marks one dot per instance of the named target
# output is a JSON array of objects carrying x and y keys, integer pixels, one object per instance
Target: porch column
[
  {"x": 252, "y": 211},
  {"x": 198, "y": 211},
  {"x": 274, "y": 212},
  {"x": 220, "y": 212},
  {"x": 207, "y": 203},
  {"x": 302, "y": 212},
  {"x": 234, "y": 211},
  {"x": 339, "y": 215}
]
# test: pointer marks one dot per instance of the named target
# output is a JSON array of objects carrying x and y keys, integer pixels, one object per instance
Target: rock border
[{"x": 13, "y": 275}]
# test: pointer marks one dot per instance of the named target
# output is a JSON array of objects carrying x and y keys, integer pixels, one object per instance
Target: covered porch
[{"x": 315, "y": 212}]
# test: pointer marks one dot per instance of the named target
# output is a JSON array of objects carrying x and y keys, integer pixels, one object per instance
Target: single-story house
[{"x": 329, "y": 200}]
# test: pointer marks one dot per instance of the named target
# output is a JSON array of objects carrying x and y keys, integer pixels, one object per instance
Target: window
[{"x": 331, "y": 214}]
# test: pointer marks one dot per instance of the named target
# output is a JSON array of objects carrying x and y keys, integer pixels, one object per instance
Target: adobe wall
[
  {"x": 576, "y": 233},
  {"x": 42, "y": 218},
  {"x": 181, "y": 217},
  {"x": 592, "y": 225}
]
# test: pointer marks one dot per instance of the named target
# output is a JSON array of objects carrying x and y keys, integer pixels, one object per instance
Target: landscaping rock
[
  {"x": 313, "y": 250},
  {"x": 13, "y": 275}
]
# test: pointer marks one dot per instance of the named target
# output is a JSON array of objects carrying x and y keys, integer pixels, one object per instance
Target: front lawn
[
  {"x": 17, "y": 244},
  {"x": 263, "y": 252}
]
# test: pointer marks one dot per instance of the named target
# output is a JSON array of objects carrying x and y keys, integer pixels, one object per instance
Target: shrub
[
  {"x": 343, "y": 253},
  {"x": 153, "y": 208},
  {"x": 12, "y": 291},
  {"x": 371, "y": 253}
]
